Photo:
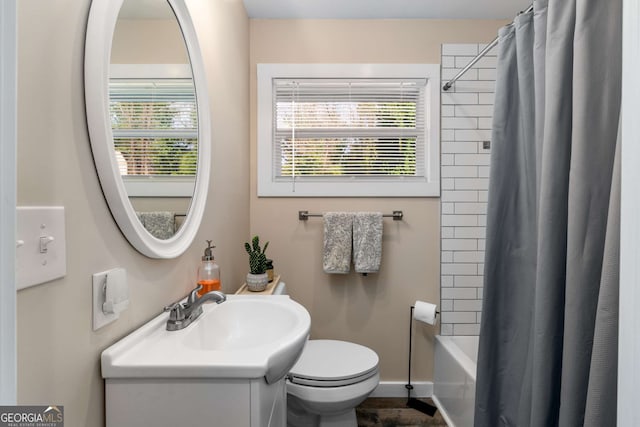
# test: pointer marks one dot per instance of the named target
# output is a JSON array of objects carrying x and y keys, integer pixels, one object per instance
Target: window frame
[
  {"x": 397, "y": 186},
  {"x": 156, "y": 186}
]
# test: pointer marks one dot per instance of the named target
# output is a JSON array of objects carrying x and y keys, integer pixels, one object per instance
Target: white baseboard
[{"x": 397, "y": 389}]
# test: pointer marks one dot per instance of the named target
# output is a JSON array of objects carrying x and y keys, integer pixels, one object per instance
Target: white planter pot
[{"x": 257, "y": 282}]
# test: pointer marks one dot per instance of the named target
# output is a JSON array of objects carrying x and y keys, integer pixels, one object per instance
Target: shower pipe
[{"x": 471, "y": 63}]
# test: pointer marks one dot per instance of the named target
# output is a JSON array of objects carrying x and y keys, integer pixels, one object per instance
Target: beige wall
[
  {"x": 373, "y": 310},
  {"x": 148, "y": 41},
  {"x": 58, "y": 353},
  {"x": 179, "y": 205}
]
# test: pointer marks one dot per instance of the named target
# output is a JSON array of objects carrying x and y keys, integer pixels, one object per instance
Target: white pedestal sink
[{"x": 225, "y": 369}]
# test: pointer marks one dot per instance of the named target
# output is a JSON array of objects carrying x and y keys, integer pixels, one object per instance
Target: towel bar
[{"x": 304, "y": 215}]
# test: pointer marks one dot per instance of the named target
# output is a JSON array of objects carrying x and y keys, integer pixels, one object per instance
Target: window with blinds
[
  {"x": 348, "y": 130},
  {"x": 155, "y": 129}
]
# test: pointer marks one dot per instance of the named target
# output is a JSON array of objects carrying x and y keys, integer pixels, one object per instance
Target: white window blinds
[
  {"x": 357, "y": 128},
  {"x": 348, "y": 130},
  {"x": 154, "y": 123}
]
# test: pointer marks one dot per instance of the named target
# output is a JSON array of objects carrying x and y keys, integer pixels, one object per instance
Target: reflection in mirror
[
  {"x": 153, "y": 114},
  {"x": 155, "y": 173}
]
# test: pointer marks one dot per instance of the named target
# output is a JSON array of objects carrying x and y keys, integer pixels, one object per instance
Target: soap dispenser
[{"x": 209, "y": 272}]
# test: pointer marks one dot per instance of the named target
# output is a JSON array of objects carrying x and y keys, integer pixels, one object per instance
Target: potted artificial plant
[{"x": 257, "y": 278}]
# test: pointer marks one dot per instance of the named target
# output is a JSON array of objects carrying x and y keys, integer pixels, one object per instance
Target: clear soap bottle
[{"x": 209, "y": 272}]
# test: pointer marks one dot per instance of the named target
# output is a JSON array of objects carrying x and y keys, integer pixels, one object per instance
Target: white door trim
[
  {"x": 629, "y": 334},
  {"x": 8, "y": 131}
]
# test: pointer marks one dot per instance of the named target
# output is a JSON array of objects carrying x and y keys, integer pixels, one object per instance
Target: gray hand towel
[
  {"x": 336, "y": 255},
  {"x": 367, "y": 241},
  {"x": 160, "y": 224}
]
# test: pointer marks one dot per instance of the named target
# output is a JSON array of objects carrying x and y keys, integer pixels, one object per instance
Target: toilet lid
[{"x": 331, "y": 363}]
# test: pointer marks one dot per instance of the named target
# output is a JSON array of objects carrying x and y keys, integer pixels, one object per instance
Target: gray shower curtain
[{"x": 548, "y": 338}]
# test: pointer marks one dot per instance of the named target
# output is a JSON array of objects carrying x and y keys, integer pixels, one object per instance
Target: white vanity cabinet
[
  {"x": 190, "y": 402},
  {"x": 225, "y": 369}
]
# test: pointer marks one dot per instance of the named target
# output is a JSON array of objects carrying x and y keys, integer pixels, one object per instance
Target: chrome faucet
[{"x": 181, "y": 315}]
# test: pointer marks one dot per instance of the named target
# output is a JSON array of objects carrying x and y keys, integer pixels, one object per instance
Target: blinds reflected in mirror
[{"x": 154, "y": 124}]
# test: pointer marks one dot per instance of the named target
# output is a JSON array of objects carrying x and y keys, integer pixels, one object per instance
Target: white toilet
[{"x": 328, "y": 381}]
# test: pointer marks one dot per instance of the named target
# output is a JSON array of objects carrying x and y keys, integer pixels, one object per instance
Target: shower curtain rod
[{"x": 484, "y": 51}]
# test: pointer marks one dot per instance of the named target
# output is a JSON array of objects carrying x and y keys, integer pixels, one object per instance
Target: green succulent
[{"x": 257, "y": 257}]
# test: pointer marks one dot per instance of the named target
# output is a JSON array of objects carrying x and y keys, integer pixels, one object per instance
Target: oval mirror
[{"x": 148, "y": 120}]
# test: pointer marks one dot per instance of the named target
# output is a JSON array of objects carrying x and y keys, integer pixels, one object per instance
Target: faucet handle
[
  {"x": 193, "y": 295},
  {"x": 176, "y": 312}
]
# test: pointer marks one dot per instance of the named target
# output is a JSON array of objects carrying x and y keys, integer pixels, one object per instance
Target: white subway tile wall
[{"x": 466, "y": 125}]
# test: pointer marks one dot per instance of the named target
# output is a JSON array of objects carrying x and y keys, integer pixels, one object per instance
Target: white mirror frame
[{"x": 100, "y": 28}]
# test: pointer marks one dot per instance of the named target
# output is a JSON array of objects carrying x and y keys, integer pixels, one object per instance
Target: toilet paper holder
[{"x": 413, "y": 402}]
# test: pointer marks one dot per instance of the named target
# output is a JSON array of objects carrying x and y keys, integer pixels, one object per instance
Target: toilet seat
[{"x": 332, "y": 363}]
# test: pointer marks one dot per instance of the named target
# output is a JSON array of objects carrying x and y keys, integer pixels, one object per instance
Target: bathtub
[{"x": 454, "y": 387}]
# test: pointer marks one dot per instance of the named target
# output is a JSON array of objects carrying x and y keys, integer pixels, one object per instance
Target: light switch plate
[
  {"x": 100, "y": 318},
  {"x": 40, "y": 246}
]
